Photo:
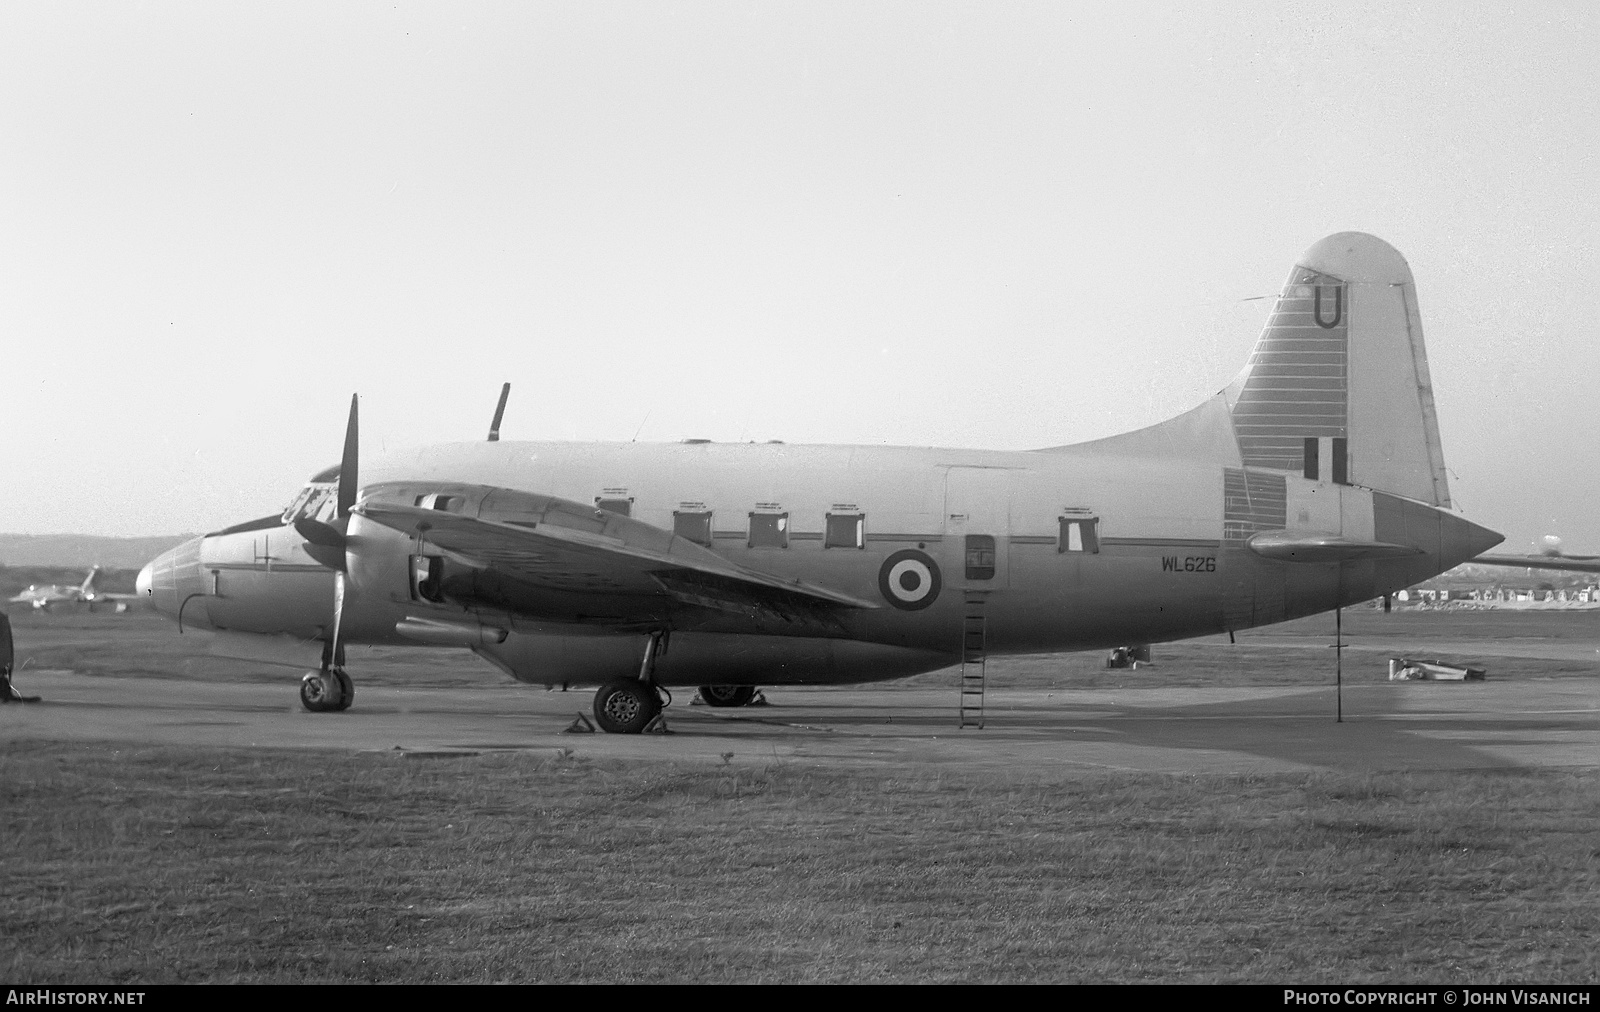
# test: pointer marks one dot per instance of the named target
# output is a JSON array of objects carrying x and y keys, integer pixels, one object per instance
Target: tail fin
[
  {"x": 1337, "y": 386},
  {"x": 88, "y": 581}
]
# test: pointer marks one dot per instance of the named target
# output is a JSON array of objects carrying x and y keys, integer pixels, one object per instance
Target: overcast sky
[{"x": 994, "y": 225}]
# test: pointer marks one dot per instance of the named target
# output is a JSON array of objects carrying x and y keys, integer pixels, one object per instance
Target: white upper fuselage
[{"x": 901, "y": 490}]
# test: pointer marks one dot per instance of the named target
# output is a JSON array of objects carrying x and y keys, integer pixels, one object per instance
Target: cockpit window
[
  {"x": 320, "y": 496},
  {"x": 313, "y": 500},
  {"x": 311, "y": 503}
]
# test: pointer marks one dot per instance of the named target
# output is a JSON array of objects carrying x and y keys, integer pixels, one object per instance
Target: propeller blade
[
  {"x": 347, "y": 466},
  {"x": 324, "y": 542},
  {"x": 499, "y": 412},
  {"x": 333, "y": 558},
  {"x": 319, "y": 533},
  {"x": 338, "y": 619}
]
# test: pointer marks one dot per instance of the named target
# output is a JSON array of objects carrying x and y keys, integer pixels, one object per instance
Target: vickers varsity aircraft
[
  {"x": 44, "y": 598},
  {"x": 1314, "y": 480},
  {"x": 1550, "y": 557}
]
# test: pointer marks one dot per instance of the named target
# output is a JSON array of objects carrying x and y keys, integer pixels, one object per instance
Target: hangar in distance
[{"x": 1314, "y": 480}]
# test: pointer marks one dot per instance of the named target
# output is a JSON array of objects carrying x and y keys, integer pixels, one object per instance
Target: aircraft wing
[
  {"x": 117, "y": 598},
  {"x": 562, "y": 573},
  {"x": 1566, "y": 563}
]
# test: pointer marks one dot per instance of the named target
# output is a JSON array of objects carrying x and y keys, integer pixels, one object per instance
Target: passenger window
[
  {"x": 845, "y": 530},
  {"x": 769, "y": 530},
  {"x": 692, "y": 525},
  {"x": 1079, "y": 534},
  {"x": 440, "y": 501},
  {"x": 621, "y": 507},
  {"x": 980, "y": 557}
]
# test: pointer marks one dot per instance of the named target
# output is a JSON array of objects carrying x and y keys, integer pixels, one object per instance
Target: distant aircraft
[
  {"x": 1315, "y": 480},
  {"x": 43, "y": 598},
  {"x": 1550, "y": 557}
]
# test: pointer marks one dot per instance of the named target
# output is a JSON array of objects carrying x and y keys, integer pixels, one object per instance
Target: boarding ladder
[{"x": 972, "y": 660}]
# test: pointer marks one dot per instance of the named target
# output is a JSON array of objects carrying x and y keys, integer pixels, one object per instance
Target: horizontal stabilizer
[{"x": 1286, "y": 546}]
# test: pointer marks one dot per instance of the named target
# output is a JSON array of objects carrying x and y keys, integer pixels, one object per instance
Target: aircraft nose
[{"x": 172, "y": 578}]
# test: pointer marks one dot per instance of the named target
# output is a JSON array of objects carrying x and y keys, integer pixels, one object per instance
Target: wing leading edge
[{"x": 570, "y": 563}]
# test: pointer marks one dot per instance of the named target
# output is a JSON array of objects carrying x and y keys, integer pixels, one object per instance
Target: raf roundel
[{"x": 909, "y": 580}]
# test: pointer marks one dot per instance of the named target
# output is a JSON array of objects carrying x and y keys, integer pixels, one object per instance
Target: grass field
[
  {"x": 147, "y": 866},
  {"x": 144, "y": 865}
]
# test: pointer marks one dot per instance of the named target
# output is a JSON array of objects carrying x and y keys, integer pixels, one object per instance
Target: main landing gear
[
  {"x": 629, "y": 705},
  {"x": 327, "y": 690},
  {"x": 727, "y": 695},
  {"x": 626, "y": 706}
]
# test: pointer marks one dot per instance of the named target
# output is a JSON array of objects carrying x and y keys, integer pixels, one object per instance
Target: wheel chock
[
  {"x": 580, "y": 726},
  {"x": 759, "y": 699},
  {"x": 658, "y": 725}
]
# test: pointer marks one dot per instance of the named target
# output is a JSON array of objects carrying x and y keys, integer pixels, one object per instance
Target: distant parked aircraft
[
  {"x": 44, "y": 598},
  {"x": 1550, "y": 557}
]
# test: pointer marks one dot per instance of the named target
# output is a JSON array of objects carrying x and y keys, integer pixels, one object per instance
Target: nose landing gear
[{"x": 327, "y": 691}]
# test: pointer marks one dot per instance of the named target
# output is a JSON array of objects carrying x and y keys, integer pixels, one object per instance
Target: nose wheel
[{"x": 327, "y": 691}]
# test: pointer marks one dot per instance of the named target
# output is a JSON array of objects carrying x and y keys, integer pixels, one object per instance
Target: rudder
[{"x": 1337, "y": 387}]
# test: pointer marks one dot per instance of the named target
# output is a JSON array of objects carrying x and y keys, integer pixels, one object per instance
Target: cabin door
[{"x": 977, "y": 526}]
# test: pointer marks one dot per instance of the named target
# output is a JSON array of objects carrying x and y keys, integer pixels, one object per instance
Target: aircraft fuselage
[{"x": 1068, "y": 549}]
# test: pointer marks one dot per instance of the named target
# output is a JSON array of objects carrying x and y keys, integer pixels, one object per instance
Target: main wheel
[
  {"x": 347, "y": 690},
  {"x": 626, "y": 706},
  {"x": 320, "y": 693},
  {"x": 727, "y": 695}
]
